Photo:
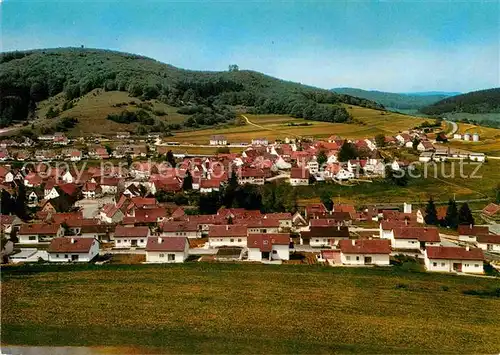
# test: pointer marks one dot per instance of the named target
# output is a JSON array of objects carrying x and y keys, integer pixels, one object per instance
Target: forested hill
[
  {"x": 394, "y": 100},
  {"x": 29, "y": 77},
  {"x": 483, "y": 101}
]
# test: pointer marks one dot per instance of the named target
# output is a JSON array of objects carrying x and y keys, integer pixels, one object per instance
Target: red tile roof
[
  {"x": 264, "y": 241},
  {"x": 422, "y": 234},
  {"x": 228, "y": 230},
  {"x": 365, "y": 246},
  {"x": 466, "y": 229},
  {"x": 179, "y": 226},
  {"x": 490, "y": 239},
  {"x": 71, "y": 245},
  {"x": 491, "y": 210},
  {"x": 326, "y": 232},
  {"x": 123, "y": 232},
  {"x": 39, "y": 228},
  {"x": 454, "y": 253},
  {"x": 299, "y": 173},
  {"x": 166, "y": 244},
  {"x": 278, "y": 215}
]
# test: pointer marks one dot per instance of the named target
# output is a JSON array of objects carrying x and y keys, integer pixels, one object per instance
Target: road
[{"x": 454, "y": 129}]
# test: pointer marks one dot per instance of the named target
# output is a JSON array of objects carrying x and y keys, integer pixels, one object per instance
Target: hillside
[
  {"x": 476, "y": 102},
  {"x": 402, "y": 101},
  {"x": 29, "y": 78}
]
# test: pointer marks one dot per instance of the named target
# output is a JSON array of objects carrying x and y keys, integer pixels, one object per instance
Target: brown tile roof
[
  {"x": 278, "y": 215},
  {"x": 122, "y": 231},
  {"x": 71, "y": 245},
  {"x": 299, "y": 173},
  {"x": 39, "y": 228},
  {"x": 326, "y": 232},
  {"x": 179, "y": 226},
  {"x": 466, "y": 229},
  {"x": 228, "y": 230},
  {"x": 454, "y": 253},
  {"x": 166, "y": 244},
  {"x": 265, "y": 241},
  {"x": 422, "y": 234},
  {"x": 490, "y": 239},
  {"x": 365, "y": 246}
]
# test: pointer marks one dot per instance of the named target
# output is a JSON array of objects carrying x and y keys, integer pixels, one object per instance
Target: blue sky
[{"x": 388, "y": 45}]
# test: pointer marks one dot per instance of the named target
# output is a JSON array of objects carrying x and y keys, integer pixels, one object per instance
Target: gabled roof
[
  {"x": 299, "y": 173},
  {"x": 122, "y": 231},
  {"x": 179, "y": 226},
  {"x": 265, "y": 241},
  {"x": 39, "y": 228},
  {"x": 490, "y": 239},
  {"x": 365, "y": 246},
  {"x": 422, "y": 234},
  {"x": 326, "y": 232},
  {"x": 228, "y": 230},
  {"x": 491, "y": 210},
  {"x": 71, "y": 245},
  {"x": 454, "y": 253},
  {"x": 166, "y": 244},
  {"x": 466, "y": 229}
]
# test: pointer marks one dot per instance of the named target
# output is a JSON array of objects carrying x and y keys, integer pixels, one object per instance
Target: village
[{"x": 91, "y": 213}]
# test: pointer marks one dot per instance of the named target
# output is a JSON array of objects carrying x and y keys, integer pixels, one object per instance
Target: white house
[
  {"x": 477, "y": 157},
  {"x": 454, "y": 259},
  {"x": 299, "y": 177},
  {"x": 218, "y": 140},
  {"x": 489, "y": 243},
  {"x": 180, "y": 229},
  {"x": 413, "y": 238},
  {"x": 227, "y": 235},
  {"x": 167, "y": 250},
  {"x": 39, "y": 232},
  {"x": 425, "y": 146},
  {"x": 425, "y": 157},
  {"x": 365, "y": 252},
  {"x": 73, "y": 249},
  {"x": 131, "y": 237},
  {"x": 268, "y": 247},
  {"x": 469, "y": 233},
  {"x": 325, "y": 236},
  {"x": 260, "y": 141},
  {"x": 457, "y": 136},
  {"x": 28, "y": 255}
]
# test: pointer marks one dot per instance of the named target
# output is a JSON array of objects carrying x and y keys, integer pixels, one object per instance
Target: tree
[
  {"x": 322, "y": 158},
  {"x": 431, "y": 213},
  {"x": 223, "y": 150},
  {"x": 171, "y": 159},
  {"x": 109, "y": 150},
  {"x": 451, "y": 219},
  {"x": 347, "y": 152},
  {"x": 327, "y": 200},
  {"x": 465, "y": 215},
  {"x": 415, "y": 143},
  {"x": 209, "y": 203},
  {"x": 497, "y": 193},
  {"x": 20, "y": 203},
  {"x": 187, "y": 183},
  {"x": 6, "y": 203},
  {"x": 233, "y": 67},
  {"x": 180, "y": 199},
  {"x": 380, "y": 140},
  {"x": 290, "y": 202},
  {"x": 129, "y": 160}
]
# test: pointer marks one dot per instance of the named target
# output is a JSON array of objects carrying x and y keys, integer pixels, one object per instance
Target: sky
[{"x": 399, "y": 46}]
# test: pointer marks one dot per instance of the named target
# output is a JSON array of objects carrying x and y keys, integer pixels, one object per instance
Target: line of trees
[{"x": 454, "y": 216}]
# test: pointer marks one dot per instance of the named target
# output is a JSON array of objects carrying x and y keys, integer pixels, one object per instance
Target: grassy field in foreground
[
  {"x": 238, "y": 308},
  {"x": 276, "y": 127}
]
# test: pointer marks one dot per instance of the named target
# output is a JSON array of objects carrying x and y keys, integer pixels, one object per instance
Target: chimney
[
  {"x": 406, "y": 222},
  {"x": 470, "y": 226},
  {"x": 160, "y": 240},
  {"x": 353, "y": 241},
  {"x": 407, "y": 207},
  {"x": 227, "y": 227},
  {"x": 467, "y": 248},
  {"x": 338, "y": 227},
  {"x": 73, "y": 240}
]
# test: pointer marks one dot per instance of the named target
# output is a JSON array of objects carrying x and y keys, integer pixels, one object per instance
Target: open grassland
[
  {"x": 93, "y": 108},
  {"x": 277, "y": 127},
  {"x": 238, "y": 308},
  {"x": 489, "y": 139},
  {"x": 441, "y": 181}
]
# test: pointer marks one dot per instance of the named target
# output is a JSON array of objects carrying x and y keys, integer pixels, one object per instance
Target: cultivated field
[
  {"x": 235, "y": 308},
  {"x": 489, "y": 139},
  {"x": 277, "y": 127},
  {"x": 93, "y": 108}
]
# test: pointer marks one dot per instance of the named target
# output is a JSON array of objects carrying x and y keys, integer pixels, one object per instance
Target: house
[
  {"x": 8, "y": 223},
  {"x": 284, "y": 219},
  {"x": 260, "y": 141},
  {"x": 91, "y": 190},
  {"x": 469, "y": 232},
  {"x": 131, "y": 237},
  {"x": 425, "y": 157},
  {"x": 481, "y": 157},
  {"x": 457, "y": 136},
  {"x": 218, "y": 140},
  {"x": 167, "y": 250},
  {"x": 109, "y": 185},
  {"x": 489, "y": 243},
  {"x": 491, "y": 210},
  {"x": 425, "y": 146},
  {"x": 185, "y": 229},
  {"x": 405, "y": 140},
  {"x": 268, "y": 247},
  {"x": 252, "y": 176},
  {"x": 209, "y": 185},
  {"x": 227, "y": 235},
  {"x": 28, "y": 255},
  {"x": 314, "y": 210},
  {"x": 454, "y": 259},
  {"x": 365, "y": 252},
  {"x": 73, "y": 249},
  {"x": 122, "y": 135},
  {"x": 299, "y": 177},
  {"x": 260, "y": 225},
  {"x": 39, "y": 232},
  {"x": 111, "y": 214},
  {"x": 324, "y": 236},
  {"x": 415, "y": 237},
  {"x": 344, "y": 174}
]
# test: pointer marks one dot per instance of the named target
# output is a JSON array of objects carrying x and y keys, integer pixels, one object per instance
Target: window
[
  {"x": 32, "y": 237},
  {"x": 434, "y": 264},
  {"x": 162, "y": 255},
  {"x": 476, "y": 265},
  {"x": 466, "y": 265},
  {"x": 65, "y": 256},
  {"x": 142, "y": 240},
  {"x": 231, "y": 240},
  {"x": 348, "y": 257},
  {"x": 442, "y": 264},
  {"x": 171, "y": 257},
  {"x": 57, "y": 255},
  {"x": 118, "y": 241},
  {"x": 239, "y": 240},
  {"x": 357, "y": 258},
  {"x": 265, "y": 242},
  {"x": 317, "y": 240}
]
